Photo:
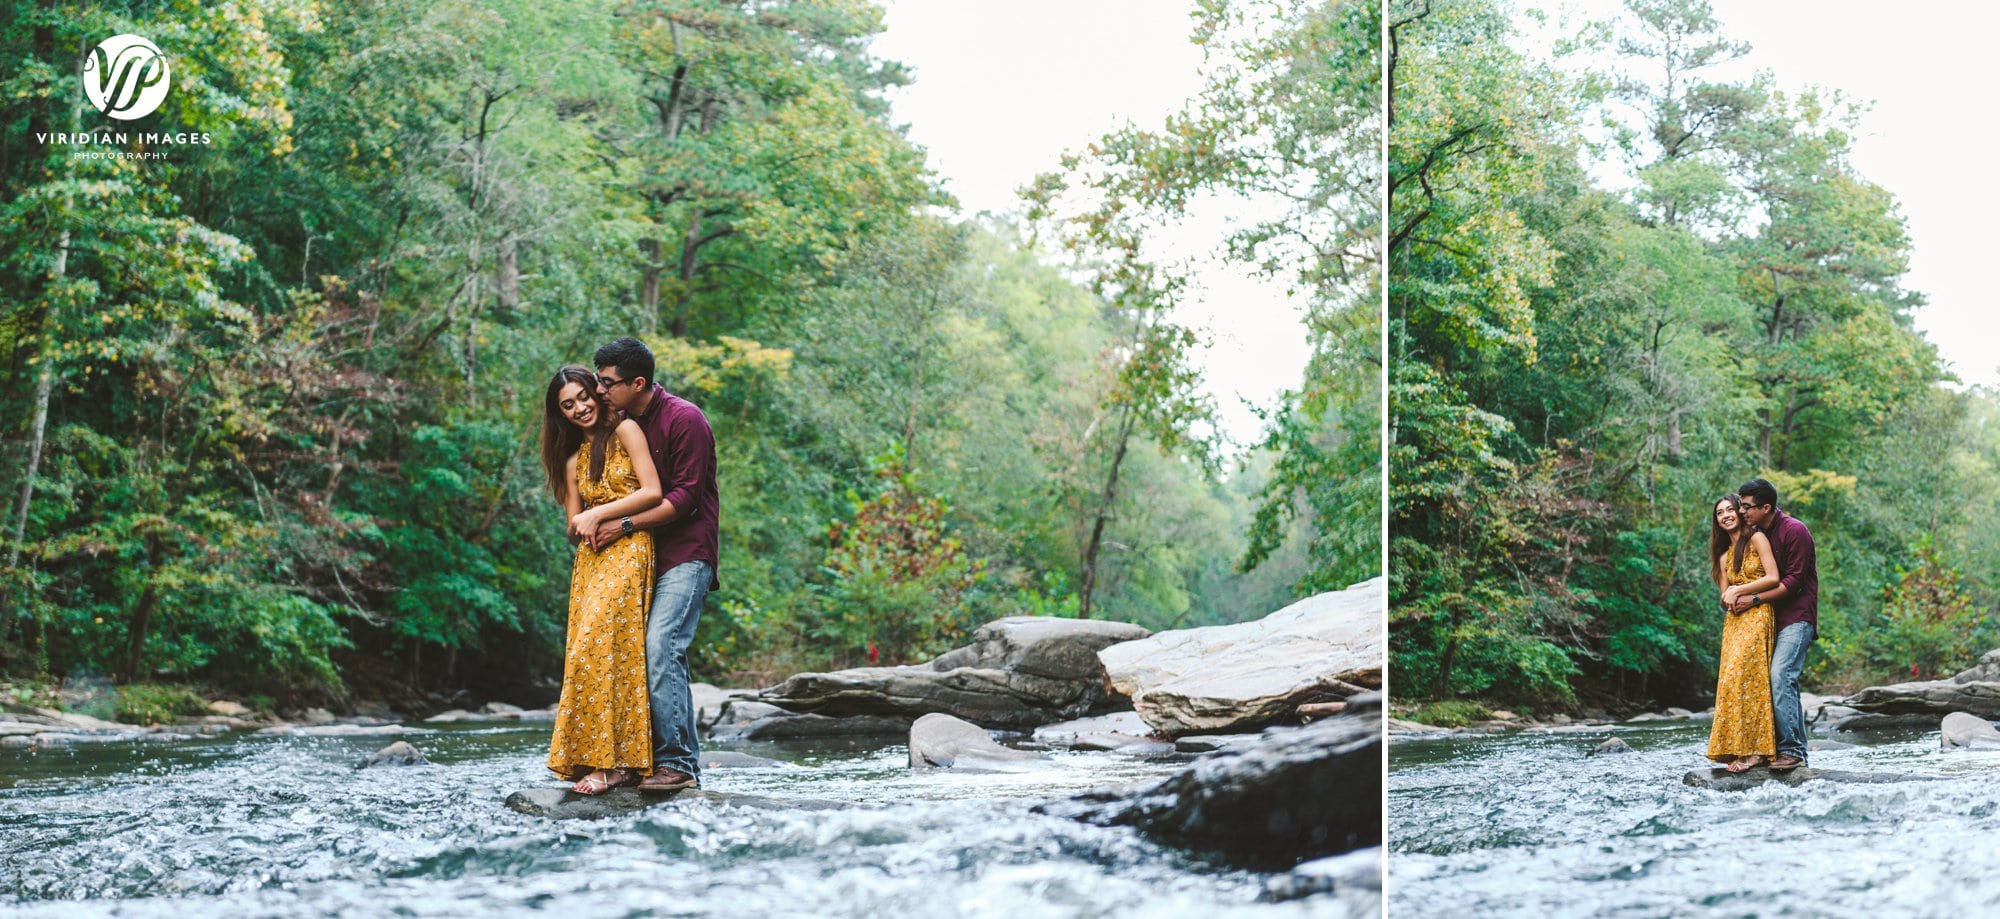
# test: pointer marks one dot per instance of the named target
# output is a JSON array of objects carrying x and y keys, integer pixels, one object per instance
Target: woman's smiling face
[
  {"x": 578, "y": 405},
  {"x": 1725, "y": 515}
]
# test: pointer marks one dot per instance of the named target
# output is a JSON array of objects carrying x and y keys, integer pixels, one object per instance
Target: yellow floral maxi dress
[
  {"x": 1743, "y": 724},
  {"x": 604, "y": 720}
]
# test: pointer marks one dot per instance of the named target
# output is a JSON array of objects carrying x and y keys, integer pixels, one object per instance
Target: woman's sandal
[
  {"x": 602, "y": 780},
  {"x": 1744, "y": 764}
]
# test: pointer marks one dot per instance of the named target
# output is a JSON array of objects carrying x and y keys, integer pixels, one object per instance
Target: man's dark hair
[
  {"x": 1758, "y": 492},
  {"x": 631, "y": 357}
]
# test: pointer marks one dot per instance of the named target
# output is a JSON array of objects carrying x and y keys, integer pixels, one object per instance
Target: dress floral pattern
[
  {"x": 603, "y": 720},
  {"x": 1743, "y": 725}
]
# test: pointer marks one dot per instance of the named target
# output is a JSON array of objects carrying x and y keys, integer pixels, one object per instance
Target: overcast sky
[
  {"x": 1924, "y": 71},
  {"x": 1002, "y": 89}
]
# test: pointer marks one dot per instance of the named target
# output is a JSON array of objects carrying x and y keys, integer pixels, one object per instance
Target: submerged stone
[
  {"x": 399, "y": 753},
  {"x": 563, "y": 804},
  {"x": 947, "y": 742},
  {"x": 1724, "y": 780}
]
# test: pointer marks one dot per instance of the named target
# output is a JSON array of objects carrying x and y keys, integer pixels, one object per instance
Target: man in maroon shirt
[
  {"x": 1796, "y": 599},
  {"x": 685, "y": 547}
]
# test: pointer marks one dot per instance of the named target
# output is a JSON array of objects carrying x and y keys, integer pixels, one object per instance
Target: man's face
[
  {"x": 1757, "y": 514},
  {"x": 616, "y": 389}
]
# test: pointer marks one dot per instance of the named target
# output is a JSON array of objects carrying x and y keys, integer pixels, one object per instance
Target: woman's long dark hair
[
  {"x": 1721, "y": 540},
  {"x": 560, "y": 437}
]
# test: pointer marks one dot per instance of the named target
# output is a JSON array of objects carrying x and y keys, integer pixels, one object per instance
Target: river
[
  {"x": 1525, "y": 824},
  {"x": 286, "y": 826}
]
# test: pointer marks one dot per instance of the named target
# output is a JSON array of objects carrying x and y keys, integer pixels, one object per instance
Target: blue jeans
[
  {"x": 677, "y": 599},
  {"x": 1788, "y": 659}
]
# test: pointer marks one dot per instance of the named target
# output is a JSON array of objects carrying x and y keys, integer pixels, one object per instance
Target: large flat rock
[
  {"x": 1975, "y": 690},
  {"x": 1723, "y": 780},
  {"x": 1019, "y": 672},
  {"x": 1296, "y": 794},
  {"x": 563, "y": 804},
  {"x": 1240, "y": 677}
]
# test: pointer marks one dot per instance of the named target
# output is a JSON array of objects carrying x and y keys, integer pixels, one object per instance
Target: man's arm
[
  {"x": 687, "y": 444},
  {"x": 1796, "y": 555}
]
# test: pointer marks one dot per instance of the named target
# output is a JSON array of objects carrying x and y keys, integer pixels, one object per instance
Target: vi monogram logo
[{"x": 125, "y": 76}]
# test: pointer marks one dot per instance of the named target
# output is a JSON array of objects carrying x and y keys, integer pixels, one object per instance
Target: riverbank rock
[
  {"x": 743, "y": 719},
  {"x": 1723, "y": 780},
  {"x": 399, "y": 753},
  {"x": 1975, "y": 691},
  {"x": 1251, "y": 674},
  {"x": 1019, "y": 672},
  {"x": 1297, "y": 794},
  {"x": 563, "y": 804},
  {"x": 1962, "y": 731},
  {"x": 337, "y": 730},
  {"x": 942, "y": 741},
  {"x": 494, "y": 712}
]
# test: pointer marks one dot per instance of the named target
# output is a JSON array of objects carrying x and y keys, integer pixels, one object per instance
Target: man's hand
[
  {"x": 603, "y": 534},
  {"x": 1739, "y": 604}
]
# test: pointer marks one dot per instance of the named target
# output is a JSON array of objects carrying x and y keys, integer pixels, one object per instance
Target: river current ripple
[
  {"x": 1524, "y": 824},
  {"x": 262, "y": 826}
]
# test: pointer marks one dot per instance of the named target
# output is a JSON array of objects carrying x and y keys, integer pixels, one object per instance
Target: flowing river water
[
  {"x": 1525, "y": 824},
  {"x": 286, "y": 826}
]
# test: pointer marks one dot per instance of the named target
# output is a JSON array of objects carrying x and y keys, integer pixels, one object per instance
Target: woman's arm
[
  {"x": 1761, "y": 545},
  {"x": 647, "y": 495},
  {"x": 572, "y": 502}
]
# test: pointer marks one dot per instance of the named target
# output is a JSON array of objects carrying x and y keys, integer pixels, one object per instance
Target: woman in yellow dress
[
  {"x": 599, "y": 468},
  {"x": 1740, "y": 562}
]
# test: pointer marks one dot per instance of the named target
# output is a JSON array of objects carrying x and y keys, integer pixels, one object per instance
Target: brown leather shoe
[
  {"x": 668, "y": 780},
  {"x": 1786, "y": 763}
]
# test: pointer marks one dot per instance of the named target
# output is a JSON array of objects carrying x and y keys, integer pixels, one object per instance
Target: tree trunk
[
  {"x": 142, "y": 615},
  {"x": 1105, "y": 499},
  {"x": 649, "y": 283}
]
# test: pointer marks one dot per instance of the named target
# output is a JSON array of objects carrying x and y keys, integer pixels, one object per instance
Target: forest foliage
[
  {"x": 278, "y": 393},
  {"x": 1623, "y": 283}
]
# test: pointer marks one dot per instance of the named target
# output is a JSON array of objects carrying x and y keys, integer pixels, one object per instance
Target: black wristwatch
[
  {"x": 625, "y": 525},
  {"x": 1754, "y": 598}
]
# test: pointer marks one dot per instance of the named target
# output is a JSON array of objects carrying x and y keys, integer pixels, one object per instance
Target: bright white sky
[
  {"x": 1002, "y": 89},
  {"x": 1925, "y": 138}
]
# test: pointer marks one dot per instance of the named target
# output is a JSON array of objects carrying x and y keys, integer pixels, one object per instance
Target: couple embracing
[
  {"x": 634, "y": 468},
  {"x": 1762, "y": 561}
]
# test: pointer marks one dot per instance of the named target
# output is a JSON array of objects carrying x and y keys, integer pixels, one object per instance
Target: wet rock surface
[
  {"x": 563, "y": 804},
  {"x": 1297, "y": 794},
  {"x": 399, "y": 753},
  {"x": 742, "y": 719},
  {"x": 1975, "y": 690},
  {"x": 1019, "y": 672},
  {"x": 1251, "y": 674},
  {"x": 942, "y": 741},
  {"x": 1723, "y": 780},
  {"x": 1963, "y": 731}
]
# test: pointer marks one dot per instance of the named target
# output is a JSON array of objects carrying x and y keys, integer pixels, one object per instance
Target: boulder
[
  {"x": 1975, "y": 691},
  {"x": 709, "y": 700},
  {"x": 943, "y": 741},
  {"x": 1295, "y": 795},
  {"x": 399, "y": 753},
  {"x": 1613, "y": 745},
  {"x": 1252, "y": 674},
  {"x": 229, "y": 709},
  {"x": 1019, "y": 672},
  {"x": 1961, "y": 731},
  {"x": 316, "y": 716},
  {"x": 1724, "y": 780},
  {"x": 563, "y": 804},
  {"x": 747, "y": 720},
  {"x": 337, "y": 730}
]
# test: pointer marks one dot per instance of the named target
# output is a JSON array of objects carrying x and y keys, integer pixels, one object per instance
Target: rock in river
[
  {"x": 1613, "y": 745},
  {"x": 1244, "y": 676},
  {"x": 399, "y": 753},
  {"x": 1018, "y": 672},
  {"x": 563, "y": 804},
  {"x": 941, "y": 740},
  {"x": 1724, "y": 780},
  {"x": 745, "y": 720},
  {"x": 1960, "y": 731},
  {"x": 1297, "y": 794},
  {"x": 1976, "y": 690}
]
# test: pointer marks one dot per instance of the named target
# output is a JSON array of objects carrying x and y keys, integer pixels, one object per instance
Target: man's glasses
[{"x": 608, "y": 382}]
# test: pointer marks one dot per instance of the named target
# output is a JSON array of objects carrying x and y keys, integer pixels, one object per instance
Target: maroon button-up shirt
[
  {"x": 683, "y": 451},
  {"x": 1798, "y": 570}
]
